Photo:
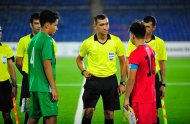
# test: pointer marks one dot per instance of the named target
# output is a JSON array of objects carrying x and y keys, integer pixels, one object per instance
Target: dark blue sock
[{"x": 108, "y": 121}]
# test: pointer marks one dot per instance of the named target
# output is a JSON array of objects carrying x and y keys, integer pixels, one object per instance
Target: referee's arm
[
  {"x": 162, "y": 73},
  {"x": 19, "y": 61},
  {"x": 122, "y": 68},
  {"x": 121, "y": 88},
  {"x": 79, "y": 61},
  {"x": 13, "y": 76}
]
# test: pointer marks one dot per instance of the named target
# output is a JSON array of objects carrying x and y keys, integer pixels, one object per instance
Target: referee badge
[
  {"x": 111, "y": 55},
  {"x": 4, "y": 59}
]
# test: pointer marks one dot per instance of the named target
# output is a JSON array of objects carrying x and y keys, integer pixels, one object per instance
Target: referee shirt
[
  {"x": 157, "y": 44},
  {"x": 102, "y": 57},
  {"x": 22, "y": 50},
  {"x": 6, "y": 53}
]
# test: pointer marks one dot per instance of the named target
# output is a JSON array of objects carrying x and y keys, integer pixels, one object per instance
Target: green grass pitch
[{"x": 177, "y": 93}]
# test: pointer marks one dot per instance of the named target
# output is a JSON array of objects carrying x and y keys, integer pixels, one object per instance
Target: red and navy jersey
[{"x": 143, "y": 60}]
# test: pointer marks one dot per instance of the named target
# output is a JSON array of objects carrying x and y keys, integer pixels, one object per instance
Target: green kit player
[{"x": 41, "y": 58}]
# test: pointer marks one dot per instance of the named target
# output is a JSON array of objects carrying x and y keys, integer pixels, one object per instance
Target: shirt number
[
  {"x": 151, "y": 65},
  {"x": 32, "y": 57}
]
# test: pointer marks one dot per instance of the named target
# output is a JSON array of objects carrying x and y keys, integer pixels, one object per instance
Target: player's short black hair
[
  {"x": 48, "y": 16},
  {"x": 35, "y": 15},
  {"x": 138, "y": 29},
  {"x": 99, "y": 17},
  {"x": 148, "y": 19}
]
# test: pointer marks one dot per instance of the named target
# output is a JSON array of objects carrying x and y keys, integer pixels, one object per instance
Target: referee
[
  {"x": 102, "y": 50},
  {"x": 7, "y": 90},
  {"x": 158, "y": 45}
]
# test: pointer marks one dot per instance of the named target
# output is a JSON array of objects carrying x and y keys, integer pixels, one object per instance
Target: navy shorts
[
  {"x": 106, "y": 88},
  {"x": 5, "y": 96}
]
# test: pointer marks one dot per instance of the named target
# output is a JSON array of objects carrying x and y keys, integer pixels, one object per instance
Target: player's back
[{"x": 143, "y": 91}]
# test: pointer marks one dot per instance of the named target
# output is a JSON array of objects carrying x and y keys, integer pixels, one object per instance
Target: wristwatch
[
  {"x": 14, "y": 85},
  {"x": 82, "y": 72},
  {"x": 123, "y": 83}
]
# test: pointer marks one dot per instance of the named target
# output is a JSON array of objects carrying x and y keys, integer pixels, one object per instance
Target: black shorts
[
  {"x": 25, "y": 87},
  {"x": 106, "y": 87},
  {"x": 6, "y": 96},
  {"x": 158, "y": 92}
]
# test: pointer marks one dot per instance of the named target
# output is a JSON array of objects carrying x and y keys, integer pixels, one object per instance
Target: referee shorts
[
  {"x": 25, "y": 88},
  {"x": 158, "y": 92},
  {"x": 6, "y": 96},
  {"x": 105, "y": 87}
]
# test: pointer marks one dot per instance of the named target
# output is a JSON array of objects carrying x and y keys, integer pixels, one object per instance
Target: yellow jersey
[
  {"x": 102, "y": 57},
  {"x": 5, "y": 54},
  {"x": 22, "y": 50},
  {"x": 157, "y": 44}
]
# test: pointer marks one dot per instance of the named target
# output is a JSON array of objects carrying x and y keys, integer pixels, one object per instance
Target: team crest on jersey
[
  {"x": 4, "y": 59},
  {"x": 111, "y": 55}
]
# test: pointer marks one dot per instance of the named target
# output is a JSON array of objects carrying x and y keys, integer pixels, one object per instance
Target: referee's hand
[
  {"x": 87, "y": 74},
  {"x": 14, "y": 92},
  {"x": 121, "y": 89}
]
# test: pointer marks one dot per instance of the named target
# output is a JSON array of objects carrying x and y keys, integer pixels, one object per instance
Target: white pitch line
[
  {"x": 79, "y": 85},
  {"x": 179, "y": 84},
  {"x": 78, "y": 114},
  {"x": 65, "y": 85}
]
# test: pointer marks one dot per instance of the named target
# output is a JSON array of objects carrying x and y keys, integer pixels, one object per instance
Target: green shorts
[{"x": 41, "y": 105}]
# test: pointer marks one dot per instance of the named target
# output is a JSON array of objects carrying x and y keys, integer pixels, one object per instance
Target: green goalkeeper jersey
[{"x": 40, "y": 49}]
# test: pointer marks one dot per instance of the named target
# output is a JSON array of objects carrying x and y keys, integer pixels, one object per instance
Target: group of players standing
[{"x": 143, "y": 65}]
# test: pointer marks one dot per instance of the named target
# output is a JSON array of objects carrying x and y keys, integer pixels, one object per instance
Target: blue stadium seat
[
  {"x": 173, "y": 23},
  {"x": 73, "y": 26}
]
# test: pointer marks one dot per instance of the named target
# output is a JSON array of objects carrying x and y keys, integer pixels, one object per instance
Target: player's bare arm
[
  {"x": 127, "y": 67},
  {"x": 49, "y": 74},
  {"x": 13, "y": 77},
  {"x": 129, "y": 87}
]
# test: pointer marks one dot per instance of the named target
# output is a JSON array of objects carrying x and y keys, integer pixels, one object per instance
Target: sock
[
  {"x": 26, "y": 118},
  {"x": 108, "y": 121},
  {"x": 86, "y": 120},
  {"x": 7, "y": 118},
  {"x": 8, "y": 121},
  {"x": 158, "y": 120}
]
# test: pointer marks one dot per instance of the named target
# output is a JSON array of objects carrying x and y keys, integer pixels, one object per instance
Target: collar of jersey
[
  {"x": 31, "y": 35},
  {"x": 96, "y": 38},
  {"x": 152, "y": 38}
]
